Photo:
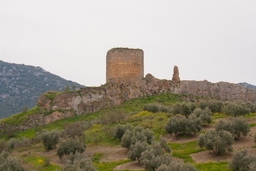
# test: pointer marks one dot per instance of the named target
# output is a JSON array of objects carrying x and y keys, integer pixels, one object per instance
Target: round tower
[{"x": 124, "y": 65}]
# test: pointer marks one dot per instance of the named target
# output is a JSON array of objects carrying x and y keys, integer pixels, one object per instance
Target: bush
[
  {"x": 70, "y": 146},
  {"x": 50, "y": 139},
  {"x": 113, "y": 117},
  {"x": 9, "y": 163},
  {"x": 153, "y": 157},
  {"x": 136, "y": 149},
  {"x": 16, "y": 143},
  {"x": 137, "y": 135},
  {"x": 78, "y": 161},
  {"x": 217, "y": 141},
  {"x": 155, "y": 108},
  {"x": 176, "y": 108},
  {"x": 75, "y": 130},
  {"x": 236, "y": 126},
  {"x": 204, "y": 114},
  {"x": 2, "y": 145},
  {"x": 176, "y": 166},
  {"x": 180, "y": 125},
  {"x": 235, "y": 109},
  {"x": 242, "y": 161},
  {"x": 187, "y": 108},
  {"x": 120, "y": 130}
]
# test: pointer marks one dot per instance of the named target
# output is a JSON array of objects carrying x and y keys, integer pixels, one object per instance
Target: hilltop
[{"x": 21, "y": 85}]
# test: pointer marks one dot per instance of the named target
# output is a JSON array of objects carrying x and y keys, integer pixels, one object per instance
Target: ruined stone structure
[
  {"x": 175, "y": 76},
  {"x": 124, "y": 65}
]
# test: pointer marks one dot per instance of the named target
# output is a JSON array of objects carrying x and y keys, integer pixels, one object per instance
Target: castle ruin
[{"x": 124, "y": 65}]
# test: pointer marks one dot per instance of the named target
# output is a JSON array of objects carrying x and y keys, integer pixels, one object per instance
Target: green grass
[
  {"x": 183, "y": 150},
  {"x": 218, "y": 116},
  {"x": 40, "y": 163},
  {"x": 109, "y": 166},
  {"x": 19, "y": 118},
  {"x": 51, "y": 95},
  {"x": 213, "y": 166}
]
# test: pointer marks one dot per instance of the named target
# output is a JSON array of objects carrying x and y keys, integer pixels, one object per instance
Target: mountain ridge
[{"x": 21, "y": 85}]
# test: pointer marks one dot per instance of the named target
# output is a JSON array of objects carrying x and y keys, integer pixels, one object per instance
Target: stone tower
[
  {"x": 124, "y": 65},
  {"x": 175, "y": 76}
]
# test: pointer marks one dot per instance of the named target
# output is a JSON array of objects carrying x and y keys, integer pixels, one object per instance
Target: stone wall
[{"x": 124, "y": 65}]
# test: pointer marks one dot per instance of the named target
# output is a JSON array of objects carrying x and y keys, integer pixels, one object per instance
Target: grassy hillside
[{"x": 104, "y": 150}]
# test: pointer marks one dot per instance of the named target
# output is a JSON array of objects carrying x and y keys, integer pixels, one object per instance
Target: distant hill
[
  {"x": 246, "y": 85},
  {"x": 21, "y": 85}
]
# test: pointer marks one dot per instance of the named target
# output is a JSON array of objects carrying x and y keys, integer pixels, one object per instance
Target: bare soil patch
[
  {"x": 134, "y": 165},
  {"x": 109, "y": 153}
]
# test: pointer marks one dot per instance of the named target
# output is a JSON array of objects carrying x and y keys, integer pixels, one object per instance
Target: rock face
[
  {"x": 124, "y": 65},
  {"x": 175, "y": 76},
  {"x": 91, "y": 99}
]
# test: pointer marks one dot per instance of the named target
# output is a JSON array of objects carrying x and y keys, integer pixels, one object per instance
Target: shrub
[
  {"x": 204, "y": 114},
  {"x": 2, "y": 145},
  {"x": 217, "y": 141},
  {"x": 136, "y": 149},
  {"x": 70, "y": 146},
  {"x": 151, "y": 107},
  {"x": 155, "y": 108},
  {"x": 176, "y": 166},
  {"x": 50, "y": 139},
  {"x": 235, "y": 109},
  {"x": 180, "y": 125},
  {"x": 120, "y": 130},
  {"x": 215, "y": 105},
  {"x": 153, "y": 157},
  {"x": 9, "y": 163},
  {"x": 16, "y": 143},
  {"x": 176, "y": 108},
  {"x": 187, "y": 108},
  {"x": 236, "y": 126},
  {"x": 137, "y": 135},
  {"x": 75, "y": 130},
  {"x": 113, "y": 117},
  {"x": 242, "y": 161},
  {"x": 78, "y": 161}
]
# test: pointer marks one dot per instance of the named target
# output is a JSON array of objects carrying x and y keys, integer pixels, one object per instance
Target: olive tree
[
  {"x": 180, "y": 125},
  {"x": 136, "y": 149},
  {"x": 120, "y": 130},
  {"x": 242, "y": 161},
  {"x": 235, "y": 109},
  {"x": 204, "y": 114},
  {"x": 176, "y": 166},
  {"x": 217, "y": 141},
  {"x": 50, "y": 139},
  {"x": 78, "y": 161},
  {"x": 139, "y": 134},
  {"x": 154, "y": 156},
  {"x": 9, "y": 163},
  {"x": 236, "y": 126},
  {"x": 70, "y": 146}
]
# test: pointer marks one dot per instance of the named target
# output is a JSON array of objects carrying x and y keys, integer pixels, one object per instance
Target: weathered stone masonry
[{"x": 124, "y": 65}]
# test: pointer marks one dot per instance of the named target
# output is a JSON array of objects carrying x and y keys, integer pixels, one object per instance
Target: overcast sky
[{"x": 212, "y": 40}]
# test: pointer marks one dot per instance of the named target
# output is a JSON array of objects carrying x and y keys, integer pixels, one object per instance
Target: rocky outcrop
[
  {"x": 175, "y": 76},
  {"x": 91, "y": 99}
]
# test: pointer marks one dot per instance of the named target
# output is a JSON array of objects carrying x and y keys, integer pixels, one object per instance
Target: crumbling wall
[{"x": 124, "y": 65}]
